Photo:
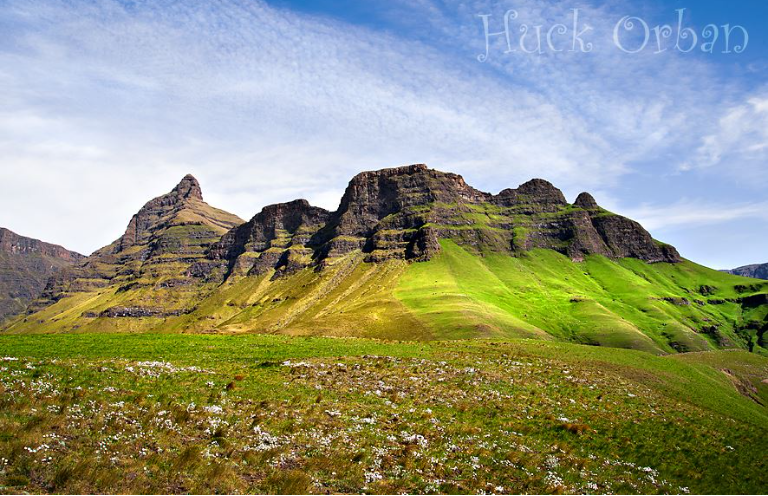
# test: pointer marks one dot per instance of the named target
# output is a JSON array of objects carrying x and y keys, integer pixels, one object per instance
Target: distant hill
[
  {"x": 756, "y": 271},
  {"x": 411, "y": 253},
  {"x": 25, "y": 266}
]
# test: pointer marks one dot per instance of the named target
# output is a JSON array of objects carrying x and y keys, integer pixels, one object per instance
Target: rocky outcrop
[
  {"x": 167, "y": 236},
  {"x": 184, "y": 204},
  {"x": 135, "y": 312},
  {"x": 586, "y": 201},
  {"x": 275, "y": 238},
  {"x": 536, "y": 192},
  {"x": 403, "y": 212},
  {"x": 626, "y": 238},
  {"x": 26, "y": 264},
  {"x": 387, "y": 213}
]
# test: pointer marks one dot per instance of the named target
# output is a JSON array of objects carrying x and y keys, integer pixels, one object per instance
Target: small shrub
[{"x": 578, "y": 429}]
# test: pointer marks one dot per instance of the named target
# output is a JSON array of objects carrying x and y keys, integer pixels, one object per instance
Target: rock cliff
[
  {"x": 26, "y": 264},
  {"x": 402, "y": 212}
]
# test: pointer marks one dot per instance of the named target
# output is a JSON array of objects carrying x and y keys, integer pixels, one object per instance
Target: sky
[{"x": 105, "y": 104}]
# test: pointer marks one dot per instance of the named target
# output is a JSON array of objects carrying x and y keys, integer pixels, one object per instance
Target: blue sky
[{"x": 105, "y": 103}]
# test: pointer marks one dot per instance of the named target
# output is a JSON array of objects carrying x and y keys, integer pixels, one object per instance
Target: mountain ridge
[
  {"x": 410, "y": 253},
  {"x": 755, "y": 271}
]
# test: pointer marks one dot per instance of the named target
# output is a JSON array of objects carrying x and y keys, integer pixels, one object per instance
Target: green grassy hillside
[
  {"x": 100, "y": 413},
  {"x": 625, "y": 303}
]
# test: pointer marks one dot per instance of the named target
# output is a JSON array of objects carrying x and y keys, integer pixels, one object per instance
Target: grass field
[{"x": 255, "y": 413}]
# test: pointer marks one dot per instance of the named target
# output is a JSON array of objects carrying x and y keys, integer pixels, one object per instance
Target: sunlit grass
[{"x": 191, "y": 413}]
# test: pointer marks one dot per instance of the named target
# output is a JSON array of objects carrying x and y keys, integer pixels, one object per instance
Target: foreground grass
[{"x": 194, "y": 413}]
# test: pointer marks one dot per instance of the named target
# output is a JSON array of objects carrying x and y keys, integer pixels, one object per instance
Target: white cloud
[
  {"x": 105, "y": 105},
  {"x": 738, "y": 140},
  {"x": 690, "y": 213}
]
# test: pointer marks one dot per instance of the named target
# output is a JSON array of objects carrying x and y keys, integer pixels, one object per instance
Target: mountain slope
[
  {"x": 756, "y": 271},
  {"x": 411, "y": 253},
  {"x": 150, "y": 269},
  {"x": 25, "y": 266}
]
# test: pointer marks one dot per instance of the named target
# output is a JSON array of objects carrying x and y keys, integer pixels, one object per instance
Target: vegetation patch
[{"x": 270, "y": 414}]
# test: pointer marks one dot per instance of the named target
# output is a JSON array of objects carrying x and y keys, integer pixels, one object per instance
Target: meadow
[{"x": 181, "y": 413}]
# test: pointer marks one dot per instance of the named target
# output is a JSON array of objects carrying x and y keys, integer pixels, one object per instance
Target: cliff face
[
  {"x": 176, "y": 243},
  {"x": 25, "y": 266},
  {"x": 275, "y": 238},
  {"x": 157, "y": 213},
  {"x": 183, "y": 265},
  {"x": 387, "y": 213},
  {"x": 403, "y": 212},
  {"x": 399, "y": 213}
]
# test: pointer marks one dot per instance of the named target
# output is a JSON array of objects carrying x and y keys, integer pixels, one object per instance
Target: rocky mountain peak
[
  {"x": 381, "y": 209},
  {"x": 586, "y": 201},
  {"x": 392, "y": 171},
  {"x": 188, "y": 188},
  {"x": 276, "y": 237},
  {"x": 182, "y": 205},
  {"x": 538, "y": 191},
  {"x": 288, "y": 216},
  {"x": 410, "y": 180},
  {"x": 373, "y": 195}
]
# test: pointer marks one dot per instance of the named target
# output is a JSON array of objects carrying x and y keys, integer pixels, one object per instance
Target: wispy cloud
[
  {"x": 738, "y": 139},
  {"x": 688, "y": 213},
  {"x": 106, "y": 103}
]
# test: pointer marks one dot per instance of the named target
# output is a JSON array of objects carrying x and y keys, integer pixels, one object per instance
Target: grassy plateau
[{"x": 181, "y": 413}]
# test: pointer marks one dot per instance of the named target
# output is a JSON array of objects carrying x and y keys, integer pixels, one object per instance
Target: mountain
[
  {"x": 25, "y": 266},
  {"x": 150, "y": 269},
  {"x": 410, "y": 253},
  {"x": 756, "y": 271}
]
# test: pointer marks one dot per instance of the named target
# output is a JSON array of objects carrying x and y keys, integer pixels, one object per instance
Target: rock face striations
[
  {"x": 403, "y": 212},
  {"x": 159, "y": 251},
  {"x": 275, "y": 238},
  {"x": 179, "y": 241},
  {"x": 388, "y": 213},
  {"x": 25, "y": 266}
]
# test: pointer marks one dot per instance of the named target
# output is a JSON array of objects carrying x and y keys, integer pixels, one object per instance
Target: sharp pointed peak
[{"x": 188, "y": 188}]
